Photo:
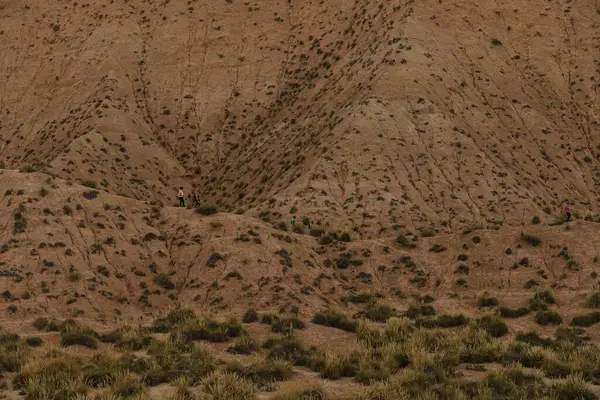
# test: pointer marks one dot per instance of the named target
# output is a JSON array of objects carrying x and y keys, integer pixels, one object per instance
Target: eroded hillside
[{"x": 367, "y": 115}]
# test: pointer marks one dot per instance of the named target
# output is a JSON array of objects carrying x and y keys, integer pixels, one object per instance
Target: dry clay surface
[
  {"x": 101, "y": 258},
  {"x": 370, "y": 115}
]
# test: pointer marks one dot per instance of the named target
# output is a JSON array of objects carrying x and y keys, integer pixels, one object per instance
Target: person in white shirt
[{"x": 180, "y": 196}]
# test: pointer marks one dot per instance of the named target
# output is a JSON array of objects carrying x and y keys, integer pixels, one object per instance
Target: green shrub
[
  {"x": 334, "y": 320},
  {"x": 535, "y": 220},
  {"x": 533, "y": 339},
  {"x": 548, "y": 318}
]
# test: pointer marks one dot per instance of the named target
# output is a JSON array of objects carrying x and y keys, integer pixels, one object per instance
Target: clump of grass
[
  {"x": 174, "y": 318},
  {"x": 73, "y": 334},
  {"x": 335, "y": 320},
  {"x": 548, "y": 318},
  {"x": 128, "y": 385},
  {"x": 263, "y": 373},
  {"x": 209, "y": 330},
  {"x": 222, "y": 386},
  {"x": 243, "y": 345},
  {"x": 40, "y": 323}
]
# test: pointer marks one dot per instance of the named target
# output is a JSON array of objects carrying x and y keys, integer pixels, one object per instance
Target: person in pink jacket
[{"x": 567, "y": 212}]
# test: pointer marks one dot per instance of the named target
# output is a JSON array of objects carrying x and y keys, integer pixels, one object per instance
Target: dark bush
[
  {"x": 586, "y": 320},
  {"x": 250, "y": 316},
  {"x": 334, "y": 320},
  {"x": 531, "y": 240},
  {"x": 206, "y": 209},
  {"x": 444, "y": 321},
  {"x": 487, "y": 302},
  {"x": 513, "y": 312}
]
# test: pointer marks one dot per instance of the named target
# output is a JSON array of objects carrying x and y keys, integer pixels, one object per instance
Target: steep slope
[{"x": 370, "y": 116}]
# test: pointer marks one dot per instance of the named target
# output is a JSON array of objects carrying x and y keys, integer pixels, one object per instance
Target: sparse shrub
[
  {"x": 436, "y": 248},
  {"x": 40, "y": 323},
  {"x": 284, "y": 325},
  {"x": 548, "y": 318},
  {"x": 163, "y": 281},
  {"x": 250, "y": 316},
  {"x": 403, "y": 242},
  {"x": 206, "y": 209},
  {"x": 535, "y": 220},
  {"x": 335, "y": 320},
  {"x": 531, "y": 240},
  {"x": 427, "y": 232},
  {"x": 593, "y": 301},
  {"x": 476, "y": 239}
]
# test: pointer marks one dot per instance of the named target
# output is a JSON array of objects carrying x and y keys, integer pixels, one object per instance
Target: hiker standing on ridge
[
  {"x": 180, "y": 196},
  {"x": 197, "y": 196},
  {"x": 567, "y": 211}
]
